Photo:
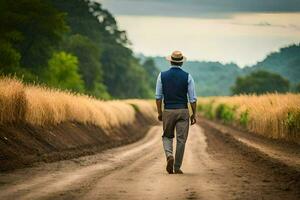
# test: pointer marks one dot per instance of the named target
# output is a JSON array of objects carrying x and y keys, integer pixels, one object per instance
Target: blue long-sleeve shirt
[{"x": 192, "y": 97}]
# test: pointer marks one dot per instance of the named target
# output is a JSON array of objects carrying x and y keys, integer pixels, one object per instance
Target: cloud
[
  {"x": 201, "y": 8},
  {"x": 268, "y": 24}
]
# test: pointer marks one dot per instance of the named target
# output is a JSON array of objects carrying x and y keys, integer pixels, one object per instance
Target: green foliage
[
  {"x": 10, "y": 63},
  {"x": 116, "y": 66},
  {"x": 216, "y": 79},
  {"x": 93, "y": 52},
  {"x": 90, "y": 68},
  {"x": 151, "y": 70},
  {"x": 135, "y": 107},
  {"x": 292, "y": 121},
  {"x": 207, "y": 110},
  {"x": 211, "y": 78},
  {"x": 108, "y": 24},
  {"x": 244, "y": 118},
  {"x": 297, "y": 88},
  {"x": 123, "y": 75},
  {"x": 285, "y": 62},
  {"x": 62, "y": 72},
  {"x": 31, "y": 28},
  {"x": 292, "y": 70},
  {"x": 225, "y": 113},
  {"x": 9, "y": 58},
  {"x": 200, "y": 108},
  {"x": 260, "y": 82}
]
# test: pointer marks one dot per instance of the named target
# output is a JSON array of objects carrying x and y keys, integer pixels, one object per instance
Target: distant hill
[
  {"x": 285, "y": 62},
  {"x": 215, "y": 78},
  {"x": 211, "y": 78}
]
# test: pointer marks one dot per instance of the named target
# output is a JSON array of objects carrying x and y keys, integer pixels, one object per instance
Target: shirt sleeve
[
  {"x": 191, "y": 90},
  {"x": 158, "y": 90}
]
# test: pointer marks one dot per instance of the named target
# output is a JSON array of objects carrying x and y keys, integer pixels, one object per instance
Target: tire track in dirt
[
  {"x": 214, "y": 169},
  {"x": 49, "y": 179},
  {"x": 147, "y": 179}
]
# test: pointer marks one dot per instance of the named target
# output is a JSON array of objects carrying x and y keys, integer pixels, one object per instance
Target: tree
[
  {"x": 285, "y": 61},
  {"x": 9, "y": 55},
  {"x": 152, "y": 71},
  {"x": 89, "y": 43},
  {"x": 63, "y": 73},
  {"x": 88, "y": 18},
  {"x": 292, "y": 70},
  {"x": 260, "y": 82},
  {"x": 123, "y": 75},
  {"x": 90, "y": 68},
  {"x": 29, "y": 30},
  {"x": 297, "y": 88},
  {"x": 9, "y": 58},
  {"x": 108, "y": 24}
]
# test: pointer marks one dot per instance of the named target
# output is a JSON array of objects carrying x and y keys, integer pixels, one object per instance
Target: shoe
[
  {"x": 170, "y": 163},
  {"x": 178, "y": 171}
]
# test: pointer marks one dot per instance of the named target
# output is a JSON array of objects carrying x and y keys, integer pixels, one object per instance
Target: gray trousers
[{"x": 175, "y": 119}]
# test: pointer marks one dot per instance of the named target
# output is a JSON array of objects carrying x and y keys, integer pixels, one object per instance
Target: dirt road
[{"x": 214, "y": 169}]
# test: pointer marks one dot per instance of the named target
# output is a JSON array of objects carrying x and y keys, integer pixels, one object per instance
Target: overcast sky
[
  {"x": 241, "y": 31},
  {"x": 198, "y": 7}
]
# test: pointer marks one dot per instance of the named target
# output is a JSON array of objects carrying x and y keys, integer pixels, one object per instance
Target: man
[{"x": 175, "y": 87}]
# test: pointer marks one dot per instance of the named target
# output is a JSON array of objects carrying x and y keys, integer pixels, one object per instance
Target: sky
[{"x": 239, "y": 31}]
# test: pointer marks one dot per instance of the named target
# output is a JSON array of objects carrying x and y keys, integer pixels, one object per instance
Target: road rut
[{"x": 213, "y": 169}]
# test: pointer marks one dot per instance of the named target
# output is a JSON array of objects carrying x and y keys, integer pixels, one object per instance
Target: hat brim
[{"x": 169, "y": 58}]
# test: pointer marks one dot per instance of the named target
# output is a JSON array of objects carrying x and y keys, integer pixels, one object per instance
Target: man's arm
[
  {"x": 159, "y": 110},
  {"x": 193, "y": 116},
  {"x": 159, "y": 97},
  {"x": 192, "y": 98}
]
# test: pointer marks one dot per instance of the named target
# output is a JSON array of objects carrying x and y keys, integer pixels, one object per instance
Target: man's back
[{"x": 175, "y": 88}]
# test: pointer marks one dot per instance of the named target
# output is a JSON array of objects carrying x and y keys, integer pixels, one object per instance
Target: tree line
[
  {"x": 278, "y": 72},
  {"x": 77, "y": 45},
  {"x": 261, "y": 82},
  {"x": 71, "y": 44}
]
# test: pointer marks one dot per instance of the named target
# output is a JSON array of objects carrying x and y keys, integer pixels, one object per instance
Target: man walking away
[{"x": 175, "y": 87}]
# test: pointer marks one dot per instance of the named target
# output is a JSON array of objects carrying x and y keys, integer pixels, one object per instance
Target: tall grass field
[
  {"x": 272, "y": 115},
  {"x": 42, "y": 106}
]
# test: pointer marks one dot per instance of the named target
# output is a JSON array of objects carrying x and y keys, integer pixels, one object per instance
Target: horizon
[
  {"x": 224, "y": 32},
  {"x": 138, "y": 54}
]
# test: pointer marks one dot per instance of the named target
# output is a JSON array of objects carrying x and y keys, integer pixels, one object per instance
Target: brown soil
[
  {"x": 23, "y": 145},
  {"x": 216, "y": 166},
  {"x": 281, "y": 152},
  {"x": 259, "y": 175}
]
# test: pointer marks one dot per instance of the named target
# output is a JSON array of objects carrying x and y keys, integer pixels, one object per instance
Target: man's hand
[
  {"x": 159, "y": 117},
  {"x": 193, "y": 119},
  {"x": 193, "y": 116}
]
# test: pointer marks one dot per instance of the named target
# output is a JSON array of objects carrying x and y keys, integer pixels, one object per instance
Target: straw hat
[{"x": 176, "y": 57}]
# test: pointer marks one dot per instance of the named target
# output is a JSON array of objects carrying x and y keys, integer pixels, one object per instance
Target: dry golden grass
[
  {"x": 271, "y": 115},
  {"x": 146, "y": 107},
  {"x": 12, "y": 100},
  {"x": 43, "y": 106}
]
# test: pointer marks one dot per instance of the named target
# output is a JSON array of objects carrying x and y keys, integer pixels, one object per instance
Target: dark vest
[{"x": 175, "y": 88}]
